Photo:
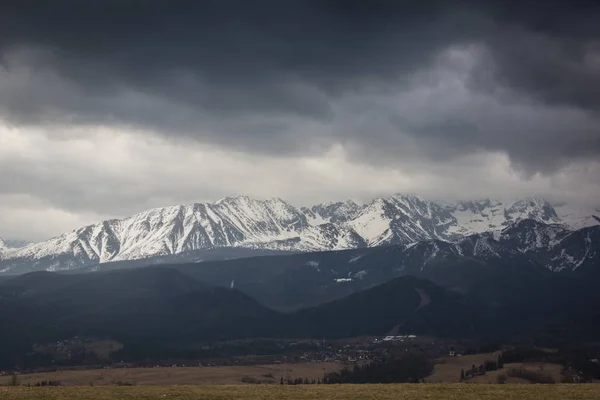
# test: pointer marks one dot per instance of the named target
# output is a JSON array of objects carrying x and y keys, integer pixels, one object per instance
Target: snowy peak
[
  {"x": 577, "y": 218},
  {"x": 529, "y": 225},
  {"x": 259, "y": 219},
  {"x": 402, "y": 219},
  {"x": 229, "y": 222},
  {"x": 430, "y": 217},
  {"x": 9, "y": 245},
  {"x": 488, "y": 215},
  {"x": 330, "y": 237},
  {"x": 554, "y": 246},
  {"x": 477, "y": 206},
  {"x": 3, "y": 246},
  {"x": 373, "y": 223},
  {"x": 337, "y": 212},
  {"x": 532, "y": 208}
]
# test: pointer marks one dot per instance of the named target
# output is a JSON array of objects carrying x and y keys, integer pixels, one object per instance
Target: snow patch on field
[{"x": 340, "y": 280}]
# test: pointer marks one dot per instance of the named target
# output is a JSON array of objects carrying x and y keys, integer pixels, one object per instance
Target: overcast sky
[{"x": 110, "y": 107}]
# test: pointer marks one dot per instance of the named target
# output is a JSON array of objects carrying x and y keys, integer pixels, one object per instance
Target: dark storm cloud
[
  {"x": 273, "y": 76},
  {"x": 207, "y": 53}
]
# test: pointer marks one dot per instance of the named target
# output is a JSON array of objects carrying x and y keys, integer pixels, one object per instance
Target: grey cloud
[{"x": 297, "y": 76}]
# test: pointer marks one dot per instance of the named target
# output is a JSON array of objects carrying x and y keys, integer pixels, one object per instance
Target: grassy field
[
  {"x": 181, "y": 376},
  {"x": 448, "y": 370},
  {"x": 336, "y": 392}
]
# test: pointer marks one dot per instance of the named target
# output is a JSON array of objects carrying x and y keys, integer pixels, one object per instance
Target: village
[{"x": 91, "y": 353}]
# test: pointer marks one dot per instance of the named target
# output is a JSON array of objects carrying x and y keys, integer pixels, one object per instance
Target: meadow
[
  {"x": 447, "y": 370},
  {"x": 335, "y": 392},
  {"x": 224, "y": 375}
]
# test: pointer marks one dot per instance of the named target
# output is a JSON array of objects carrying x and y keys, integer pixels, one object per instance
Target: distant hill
[
  {"x": 405, "y": 305},
  {"x": 159, "y": 311},
  {"x": 157, "y": 305}
]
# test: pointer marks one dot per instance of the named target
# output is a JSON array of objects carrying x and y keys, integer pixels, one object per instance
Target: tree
[
  {"x": 491, "y": 365},
  {"x": 281, "y": 381},
  {"x": 462, "y": 375},
  {"x": 14, "y": 380},
  {"x": 500, "y": 361},
  {"x": 408, "y": 368}
]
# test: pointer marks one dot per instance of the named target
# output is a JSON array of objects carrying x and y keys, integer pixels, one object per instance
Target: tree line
[
  {"x": 488, "y": 365},
  {"x": 409, "y": 368}
]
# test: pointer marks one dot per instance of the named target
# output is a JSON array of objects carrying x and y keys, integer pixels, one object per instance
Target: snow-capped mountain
[
  {"x": 243, "y": 222},
  {"x": 408, "y": 218},
  {"x": 577, "y": 218},
  {"x": 554, "y": 246},
  {"x": 324, "y": 237},
  {"x": 227, "y": 223},
  {"x": 338, "y": 212},
  {"x": 402, "y": 219}
]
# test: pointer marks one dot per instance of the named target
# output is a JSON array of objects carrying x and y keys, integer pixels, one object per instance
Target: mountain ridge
[{"x": 273, "y": 224}]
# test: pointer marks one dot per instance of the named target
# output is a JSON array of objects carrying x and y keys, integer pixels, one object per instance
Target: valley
[
  {"x": 426, "y": 287},
  {"x": 300, "y": 199}
]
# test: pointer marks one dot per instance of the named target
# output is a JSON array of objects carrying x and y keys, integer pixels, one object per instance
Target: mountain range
[
  {"x": 288, "y": 282},
  {"x": 242, "y": 226}
]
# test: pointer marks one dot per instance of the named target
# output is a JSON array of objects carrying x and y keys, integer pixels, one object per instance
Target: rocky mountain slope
[
  {"x": 275, "y": 225},
  {"x": 308, "y": 279}
]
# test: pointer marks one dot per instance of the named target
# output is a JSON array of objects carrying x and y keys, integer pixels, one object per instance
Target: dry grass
[
  {"x": 181, "y": 376},
  {"x": 448, "y": 370},
  {"x": 335, "y": 392}
]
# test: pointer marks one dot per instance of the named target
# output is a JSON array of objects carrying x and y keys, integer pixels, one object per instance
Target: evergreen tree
[{"x": 462, "y": 375}]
